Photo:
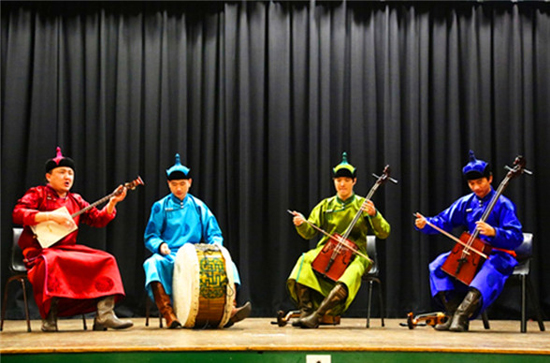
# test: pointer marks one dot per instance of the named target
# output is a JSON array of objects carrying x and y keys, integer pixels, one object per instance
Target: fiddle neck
[{"x": 493, "y": 202}]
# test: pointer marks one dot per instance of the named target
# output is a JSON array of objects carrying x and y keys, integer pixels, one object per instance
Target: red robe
[{"x": 77, "y": 275}]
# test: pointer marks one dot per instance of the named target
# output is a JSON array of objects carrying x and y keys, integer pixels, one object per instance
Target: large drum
[{"x": 203, "y": 286}]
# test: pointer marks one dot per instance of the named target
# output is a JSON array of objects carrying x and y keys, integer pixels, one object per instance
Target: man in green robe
[{"x": 315, "y": 294}]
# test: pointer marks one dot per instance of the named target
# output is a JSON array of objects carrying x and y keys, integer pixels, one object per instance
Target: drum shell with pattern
[{"x": 203, "y": 286}]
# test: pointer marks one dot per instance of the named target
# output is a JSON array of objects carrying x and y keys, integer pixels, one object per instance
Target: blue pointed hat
[
  {"x": 476, "y": 169},
  {"x": 344, "y": 169},
  {"x": 178, "y": 171}
]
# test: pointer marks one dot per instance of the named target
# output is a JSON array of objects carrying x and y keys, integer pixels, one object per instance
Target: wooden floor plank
[{"x": 259, "y": 334}]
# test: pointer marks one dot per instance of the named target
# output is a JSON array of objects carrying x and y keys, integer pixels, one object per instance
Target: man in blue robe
[
  {"x": 175, "y": 220},
  {"x": 501, "y": 230}
]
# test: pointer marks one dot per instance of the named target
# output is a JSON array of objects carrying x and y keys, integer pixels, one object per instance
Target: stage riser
[{"x": 273, "y": 357}]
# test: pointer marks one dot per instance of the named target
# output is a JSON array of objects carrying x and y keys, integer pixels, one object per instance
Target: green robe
[{"x": 334, "y": 216}]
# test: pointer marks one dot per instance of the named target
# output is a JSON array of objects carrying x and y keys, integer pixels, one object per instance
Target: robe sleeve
[
  {"x": 94, "y": 217},
  {"x": 447, "y": 220},
  {"x": 316, "y": 218},
  {"x": 27, "y": 207},
  {"x": 509, "y": 231},
  {"x": 153, "y": 230},
  {"x": 212, "y": 233},
  {"x": 379, "y": 225}
]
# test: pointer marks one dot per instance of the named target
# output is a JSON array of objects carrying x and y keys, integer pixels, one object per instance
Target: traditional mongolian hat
[
  {"x": 178, "y": 171},
  {"x": 476, "y": 169},
  {"x": 344, "y": 169},
  {"x": 58, "y": 161}
]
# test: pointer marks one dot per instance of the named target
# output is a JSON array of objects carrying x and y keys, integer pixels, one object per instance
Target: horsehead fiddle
[{"x": 339, "y": 251}]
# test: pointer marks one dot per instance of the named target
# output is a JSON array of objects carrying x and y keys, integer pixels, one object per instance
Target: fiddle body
[
  {"x": 462, "y": 263},
  {"x": 332, "y": 260}
]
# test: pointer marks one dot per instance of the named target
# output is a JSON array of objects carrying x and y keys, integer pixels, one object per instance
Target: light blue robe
[{"x": 177, "y": 222}]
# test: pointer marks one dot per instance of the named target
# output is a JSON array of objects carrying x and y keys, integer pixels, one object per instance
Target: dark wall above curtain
[{"x": 260, "y": 99}]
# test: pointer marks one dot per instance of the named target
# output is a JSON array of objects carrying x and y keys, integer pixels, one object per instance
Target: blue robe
[
  {"x": 499, "y": 266},
  {"x": 177, "y": 222}
]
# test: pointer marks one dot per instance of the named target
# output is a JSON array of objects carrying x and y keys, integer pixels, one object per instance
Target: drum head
[{"x": 185, "y": 285}]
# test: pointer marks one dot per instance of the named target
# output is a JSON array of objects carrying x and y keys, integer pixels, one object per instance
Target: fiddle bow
[{"x": 339, "y": 251}]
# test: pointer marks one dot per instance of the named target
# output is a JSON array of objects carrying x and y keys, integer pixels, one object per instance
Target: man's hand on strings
[
  {"x": 116, "y": 198},
  {"x": 369, "y": 208},
  {"x": 121, "y": 194},
  {"x": 485, "y": 229},
  {"x": 58, "y": 217}
]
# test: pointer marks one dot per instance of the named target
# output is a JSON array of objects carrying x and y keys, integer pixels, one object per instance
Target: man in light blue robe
[
  {"x": 175, "y": 220},
  {"x": 501, "y": 230}
]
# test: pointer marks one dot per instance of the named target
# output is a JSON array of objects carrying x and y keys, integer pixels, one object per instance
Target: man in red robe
[{"x": 69, "y": 279}]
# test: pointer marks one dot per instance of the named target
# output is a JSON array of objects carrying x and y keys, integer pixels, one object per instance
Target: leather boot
[
  {"x": 106, "y": 318},
  {"x": 450, "y": 308},
  {"x": 461, "y": 318},
  {"x": 50, "y": 323},
  {"x": 338, "y": 294},
  {"x": 164, "y": 305},
  {"x": 304, "y": 303},
  {"x": 241, "y": 313}
]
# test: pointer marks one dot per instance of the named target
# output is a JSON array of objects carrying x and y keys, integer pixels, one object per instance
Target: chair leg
[
  {"x": 148, "y": 310},
  {"x": 4, "y": 302},
  {"x": 485, "y": 320},
  {"x": 21, "y": 279},
  {"x": 523, "y": 317},
  {"x": 84, "y": 322},
  {"x": 26, "y": 303},
  {"x": 535, "y": 304},
  {"x": 369, "y": 304},
  {"x": 381, "y": 300}
]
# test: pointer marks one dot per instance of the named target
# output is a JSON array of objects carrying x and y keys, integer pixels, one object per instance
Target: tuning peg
[
  {"x": 389, "y": 178},
  {"x": 528, "y": 172}
]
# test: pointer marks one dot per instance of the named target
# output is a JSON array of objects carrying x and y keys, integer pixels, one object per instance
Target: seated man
[
  {"x": 175, "y": 220},
  {"x": 501, "y": 230},
  {"x": 67, "y": 278},
  {"x": 314, "y": 294}
]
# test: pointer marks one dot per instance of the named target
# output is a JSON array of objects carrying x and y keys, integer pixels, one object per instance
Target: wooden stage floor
[{"x": 258, "y": 334}]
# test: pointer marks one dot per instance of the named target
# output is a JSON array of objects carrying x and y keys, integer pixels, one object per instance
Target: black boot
[
  {"x": 461, "y": 318},
  {"x": 50, "y": 323},
  {"x": 450, "y": 309},
  {"x": 304, "y": 303},
  {"x": 338, "y": 295}
]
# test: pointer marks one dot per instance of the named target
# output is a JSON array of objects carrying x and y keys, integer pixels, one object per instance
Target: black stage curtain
[{"x": 261, "y": 99}]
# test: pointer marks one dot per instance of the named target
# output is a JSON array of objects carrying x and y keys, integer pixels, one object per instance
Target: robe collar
[{"x": 347, "y": 201}]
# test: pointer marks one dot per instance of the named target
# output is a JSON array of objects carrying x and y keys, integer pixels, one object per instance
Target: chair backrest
[
  {"x": 523, "y": 254},
  {"x": 16, "y": 263},
  {"x": 371, "y": 252},
  {"x": 525, "y": 249}
]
